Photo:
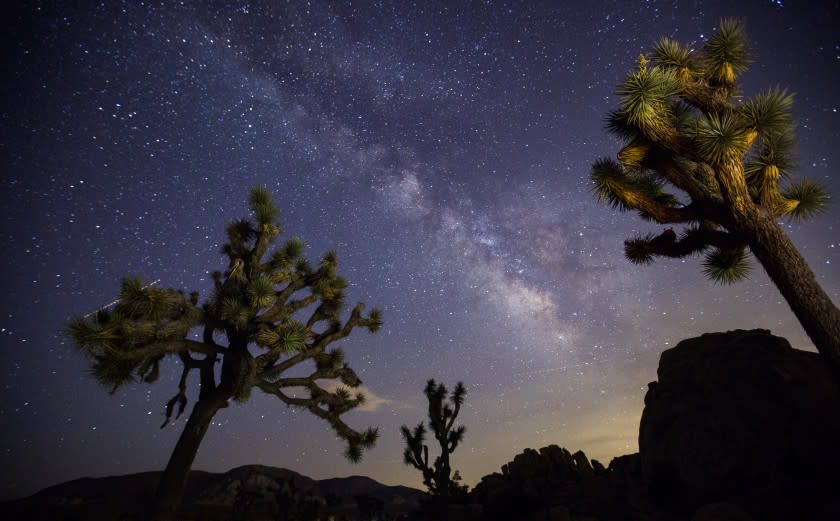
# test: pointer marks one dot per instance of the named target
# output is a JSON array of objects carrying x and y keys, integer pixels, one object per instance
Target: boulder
[{"x": 741, "y": 418}]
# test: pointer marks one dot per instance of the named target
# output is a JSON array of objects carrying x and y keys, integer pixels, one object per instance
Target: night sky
[{"x": 441, "y": 148}]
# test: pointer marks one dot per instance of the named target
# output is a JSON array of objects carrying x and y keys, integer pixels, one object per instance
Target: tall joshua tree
[
  {"x": 726, "y": 164},
  {"x": 274, "y": 311},
  {"x": 438, "y": 476}
]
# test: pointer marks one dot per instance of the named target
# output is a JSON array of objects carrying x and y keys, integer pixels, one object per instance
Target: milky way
[{"x": 442, "y": 152}]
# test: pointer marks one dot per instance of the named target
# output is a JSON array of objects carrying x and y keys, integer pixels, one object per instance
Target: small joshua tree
[
  {"x": 438, "y": 476},
  {"x": 698, "y": 154},
  {"x": 275, "y": 311}
]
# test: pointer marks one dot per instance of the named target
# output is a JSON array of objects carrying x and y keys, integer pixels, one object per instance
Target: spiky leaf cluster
[
  {"x": 726, "y": 55},
  {"x": 671, "y": 55},
  {"x": 721, "y": 138},
  {"x": 264, "y": 210},
  {"x": 808, "y": 199},
  {"x": 726, "y": 265},
  {"x": 694, "y": 152},
  {"x": 644, "y": 98},
  {"x": 275, "y": 310},
  {"x": 129, "y": 341}
]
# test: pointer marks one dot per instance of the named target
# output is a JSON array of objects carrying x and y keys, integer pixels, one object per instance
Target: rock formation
[
  {"x": 739, "y": 427},
  {"x": 553, "y": 483},
  {"x": 742, "y": 418}
]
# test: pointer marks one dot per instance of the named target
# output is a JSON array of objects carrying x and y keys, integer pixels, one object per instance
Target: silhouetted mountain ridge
[{"x": 208, "y": 495}]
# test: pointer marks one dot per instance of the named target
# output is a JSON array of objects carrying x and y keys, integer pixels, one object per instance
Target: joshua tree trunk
[
  {"x": 445, "y": 472},
  {"x": 171, "y": 485},
  {"x": 819, "y": 317}
]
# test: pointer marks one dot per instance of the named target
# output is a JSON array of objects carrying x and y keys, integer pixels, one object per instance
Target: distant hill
[{"x": 211, "y": 496}]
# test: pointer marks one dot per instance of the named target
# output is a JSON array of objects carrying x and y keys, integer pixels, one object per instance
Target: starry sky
[{"x": 441, "y": 148}]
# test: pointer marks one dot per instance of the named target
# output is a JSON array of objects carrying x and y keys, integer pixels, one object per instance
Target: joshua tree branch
[
  {"x": 663, "y": 214},
  {"x": 666, "y": 244},
  {"x": 189, "y": 363},
  {"x": 312, "y": 404},
  {"x": 705, "y": 97},
  {"x": 208, "y": 377},
  {"x": 698, "y": 184},
  {"x": 265, "y": 234}
]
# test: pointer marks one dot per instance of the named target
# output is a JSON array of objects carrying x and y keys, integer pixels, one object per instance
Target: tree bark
[
  {"x": 819, "y": 317},
  {"x": 173, "y": 481}
]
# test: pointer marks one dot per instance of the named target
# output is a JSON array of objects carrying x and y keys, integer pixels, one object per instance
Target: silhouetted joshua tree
[
  {"x": 275, "y": 312},
  {"x": 438, "y": 476},
  {"x": 686, "y": 126}
]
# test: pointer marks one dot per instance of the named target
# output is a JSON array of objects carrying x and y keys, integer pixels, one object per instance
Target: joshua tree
[
  {"x": 274, "y": 310},
  {"x": 438, "y": 477},
  {"x": 686, "y": 127}
]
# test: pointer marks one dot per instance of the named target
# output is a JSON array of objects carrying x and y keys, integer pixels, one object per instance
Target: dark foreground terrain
[
  {"x": 738, "y": 427},
  {"x": 250, "y": 492}
]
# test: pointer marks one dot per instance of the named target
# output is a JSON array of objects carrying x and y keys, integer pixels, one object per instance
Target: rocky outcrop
[
  {"x": 553, "y": 483},
  {"x": 739, "y": 427},
  {"x": 742, "y": 419}
]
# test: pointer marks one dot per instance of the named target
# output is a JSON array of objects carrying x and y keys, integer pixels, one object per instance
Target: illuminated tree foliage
[
  {"x": 438, "y": 476},
  {"x": 270, "y": 312},
  {"x": 698, "y": 154}
]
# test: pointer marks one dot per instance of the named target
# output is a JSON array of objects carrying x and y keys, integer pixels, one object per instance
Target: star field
[{"x": 442, "y": 149}]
